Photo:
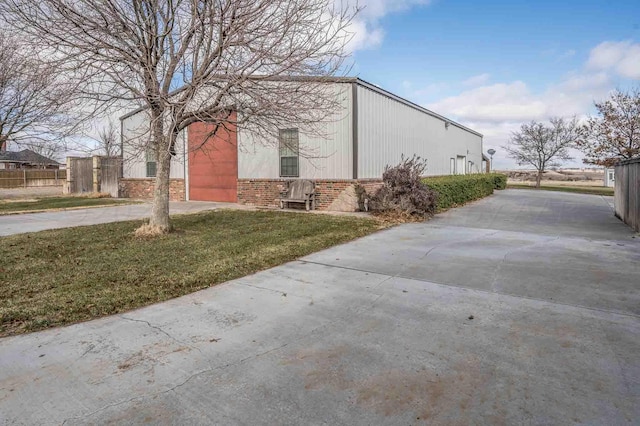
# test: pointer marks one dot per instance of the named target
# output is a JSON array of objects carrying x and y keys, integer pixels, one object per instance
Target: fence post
[
  {"x": 96, "y": 173},
  {"x": 24, "y": 177}
]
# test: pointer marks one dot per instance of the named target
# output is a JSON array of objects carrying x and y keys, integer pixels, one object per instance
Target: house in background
[
  {"x": 25, "y": 159},
  {"x": 375, "y": 130}
]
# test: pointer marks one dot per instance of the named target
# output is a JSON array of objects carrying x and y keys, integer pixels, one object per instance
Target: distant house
[
  {"x": 25, "y": 159},
  {"x": 376, "y": 130}
]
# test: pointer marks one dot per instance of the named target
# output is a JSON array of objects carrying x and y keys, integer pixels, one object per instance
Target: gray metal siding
[
  {"x": 388, "y": 128},
  {"x": 135, "y": 134},
  {"x": 320, "y": 158}
]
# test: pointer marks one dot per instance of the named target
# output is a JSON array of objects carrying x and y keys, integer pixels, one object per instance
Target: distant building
[
  {"x": 609, "y": 177},
  {"x": 25, "y": 159}
]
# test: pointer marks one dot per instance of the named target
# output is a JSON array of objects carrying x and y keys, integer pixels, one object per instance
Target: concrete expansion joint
[
  {"x": 281, "y": 293},
  {"x": 462, "y": 287}
]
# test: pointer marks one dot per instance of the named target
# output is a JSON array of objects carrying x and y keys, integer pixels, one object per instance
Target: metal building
[{"x": 374, "y": 129}]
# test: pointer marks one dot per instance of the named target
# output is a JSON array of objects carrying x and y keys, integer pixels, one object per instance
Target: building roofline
[
  {"x": 627, "y": 161},
  {"x": 413, "y": 105},
  {"x": 338, "y": 79}
]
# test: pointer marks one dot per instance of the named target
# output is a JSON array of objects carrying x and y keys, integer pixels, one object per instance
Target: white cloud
[
  {"x": 477, "y": 80},
  {"x": 497, "y": 110},
  {"x": 495, "y": 103},
  {"x": 364, "y": 36},
  {"x": 366, "y": 28},
  {"x": 622, "y": 57}
]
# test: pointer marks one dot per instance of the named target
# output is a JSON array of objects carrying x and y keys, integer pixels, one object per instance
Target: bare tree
[
  {"x": 543, "y": 146},
  {"x": 35, "y": 103},
  {"x": 615, "y": 134},
  {"x": 226, "y": 62},
  {"x": 108, "y": 140}
]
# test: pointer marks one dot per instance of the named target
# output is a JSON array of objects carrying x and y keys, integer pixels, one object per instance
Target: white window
[
  {"x": 452, "y": 166},
  {"x": 289, "y": 153},
  {"x": 151, "y": 163}
]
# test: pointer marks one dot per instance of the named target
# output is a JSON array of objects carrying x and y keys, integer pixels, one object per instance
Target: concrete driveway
[
  {"x": 523, "y": 308},
  {"x": 34, "y": 222}
]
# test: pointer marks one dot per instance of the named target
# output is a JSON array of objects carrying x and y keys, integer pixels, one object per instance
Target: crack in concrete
[
  {"x": 212, "y": 369},
  {"x": 355, "y": 313},
  {"x": 160, "y": 329},
  {"x": 155, "y": 327},
  {"x": 496, "y": 273},
  {"x": 89, "y": 349}
]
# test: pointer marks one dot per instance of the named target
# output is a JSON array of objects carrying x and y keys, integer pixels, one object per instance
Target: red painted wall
[{"x": 213, "y": 163}]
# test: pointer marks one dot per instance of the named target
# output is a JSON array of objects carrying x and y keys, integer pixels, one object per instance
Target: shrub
[
  {"x": 499, "y": 180},
  {"x": 460, "y": 189},
  {"x": 403, "y": 191}
]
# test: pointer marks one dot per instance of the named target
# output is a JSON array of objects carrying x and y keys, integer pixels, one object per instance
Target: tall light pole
[{"x": 491, "y": 152}]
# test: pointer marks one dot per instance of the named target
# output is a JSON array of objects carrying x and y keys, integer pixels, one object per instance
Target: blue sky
[{"x": 495, "y": 64}]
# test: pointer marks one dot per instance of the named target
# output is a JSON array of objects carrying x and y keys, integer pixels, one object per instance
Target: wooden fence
[
  {"x": 80, "y": 178},
  {"x": 93, "y": 174},
  {"x": 627, "y": 192},
  {"x": 27, "y": 178}
]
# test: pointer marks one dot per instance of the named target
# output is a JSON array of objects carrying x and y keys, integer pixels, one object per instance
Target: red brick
[{"x": 143, "y": 188}]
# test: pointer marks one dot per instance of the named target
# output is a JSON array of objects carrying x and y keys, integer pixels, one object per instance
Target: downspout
[
  {"x": 185, "y": 158},
  {"x": 121, "y": 149},
  {"x": 354, "y": 127}
]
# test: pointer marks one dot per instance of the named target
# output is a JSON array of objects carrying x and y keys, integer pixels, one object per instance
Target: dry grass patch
[
  {"x": 578, "y": 189},
  {"x": 59, "y": 277},
  {"x": 391, "y": 218}
]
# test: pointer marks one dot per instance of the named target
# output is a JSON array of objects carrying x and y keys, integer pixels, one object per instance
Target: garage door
[{"x": 213, "y": 164}]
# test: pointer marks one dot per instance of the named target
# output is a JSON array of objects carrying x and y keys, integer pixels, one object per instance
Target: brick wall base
[
  {"x": 143, "y": 188},
  {"x": 336, "y": 194}
]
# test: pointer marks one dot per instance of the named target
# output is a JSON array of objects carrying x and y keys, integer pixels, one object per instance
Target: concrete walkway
[
  {"x": 34, "y": 222},
  {"x": 523, "y": 308}
]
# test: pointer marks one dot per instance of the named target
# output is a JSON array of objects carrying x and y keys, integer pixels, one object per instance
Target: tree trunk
[
  {"x": 538, "y": 179},
  {"x": 160, "y": 209}
]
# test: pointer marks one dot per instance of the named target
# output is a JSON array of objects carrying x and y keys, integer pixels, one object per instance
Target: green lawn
[
  {"x": 59, "y": 277},
  {"x": 596, "y": 190},
  {"x": 54, "y": 203}
]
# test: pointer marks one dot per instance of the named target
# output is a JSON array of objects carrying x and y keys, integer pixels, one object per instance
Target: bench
[{"x": 301, "y": 192}]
